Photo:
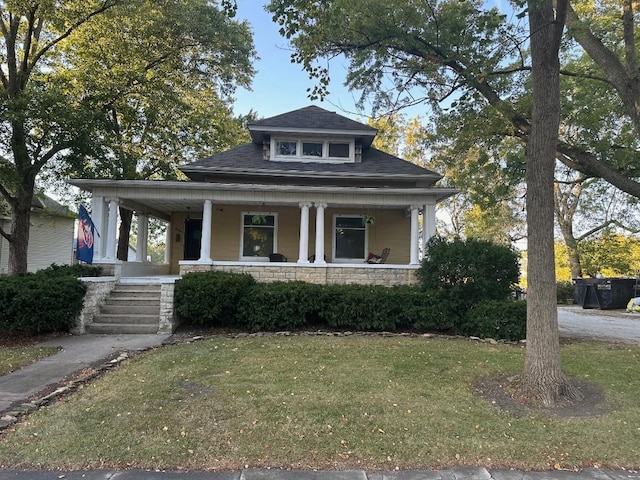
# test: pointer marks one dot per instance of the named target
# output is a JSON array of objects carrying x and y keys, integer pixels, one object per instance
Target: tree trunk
[
  {"x": 22, "y": 199},
  {"x": 20, "y": 225},
  {"x": 123, "y": 235},
  {"x": 543, "y": 380},
  {"x": 566, "y": 228}
]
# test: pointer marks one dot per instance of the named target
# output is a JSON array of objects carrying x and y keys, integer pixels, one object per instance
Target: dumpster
[{"x": 604, "y": 293}]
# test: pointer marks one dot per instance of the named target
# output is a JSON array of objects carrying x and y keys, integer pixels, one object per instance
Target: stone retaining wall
[
  {"x": 167, "y": 319},
  {"x": 98, "y": 289}
]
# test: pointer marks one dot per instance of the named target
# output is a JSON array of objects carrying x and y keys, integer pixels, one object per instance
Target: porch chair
[
  {"x": 372, "y": 258},
  {"x": 277, "y": 257}
]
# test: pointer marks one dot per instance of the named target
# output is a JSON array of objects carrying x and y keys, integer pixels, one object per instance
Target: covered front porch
[{"x": 319, "y": 234}]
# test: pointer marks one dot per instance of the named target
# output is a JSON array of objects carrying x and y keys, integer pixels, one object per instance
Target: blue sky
[{"x": 279, "y": 85}]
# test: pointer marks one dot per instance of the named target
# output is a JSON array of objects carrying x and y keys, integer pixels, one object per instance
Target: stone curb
[{"x": 456, "y": 473}]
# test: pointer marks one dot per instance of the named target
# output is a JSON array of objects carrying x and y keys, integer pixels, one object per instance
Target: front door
[{"x": 192, "y": 237}]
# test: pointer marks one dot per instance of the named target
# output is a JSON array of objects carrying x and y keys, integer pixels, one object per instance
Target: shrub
[
  {"x": 499, "y": 319},
  {"x": 210, "y": 298},
  {"x": 76, "y": 271},
  {"x": 564, "y": 292},
  {"x": 278, "y": 306},
  {"x": 470, "y": 270},
  {"x": 460, "y": 274},
  {"x": 37, "y": 303}
]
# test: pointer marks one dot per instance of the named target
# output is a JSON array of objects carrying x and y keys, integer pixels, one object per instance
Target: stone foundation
[{"x": 331, "y": 274}]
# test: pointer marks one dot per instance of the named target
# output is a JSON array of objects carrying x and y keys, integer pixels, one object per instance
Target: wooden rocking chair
[{"x": 373, "y": 258}]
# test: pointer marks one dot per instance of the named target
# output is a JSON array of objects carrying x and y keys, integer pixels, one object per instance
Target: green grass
[
  {"x": 329, "y": 402},
  {"x": 14, "y": 358}
]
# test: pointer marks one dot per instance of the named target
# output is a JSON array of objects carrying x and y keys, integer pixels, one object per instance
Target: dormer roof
[
  {"x": 256, "y": 163},
  {"x": 311, "y": 121}
]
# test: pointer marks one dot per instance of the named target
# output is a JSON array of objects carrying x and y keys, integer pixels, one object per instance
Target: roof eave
[{"x": 307, "y": 174}]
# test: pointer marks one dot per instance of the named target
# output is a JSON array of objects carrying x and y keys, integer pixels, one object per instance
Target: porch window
[
  {"x": 258, "y": 235},
  {"x": 350, "y": 238}
]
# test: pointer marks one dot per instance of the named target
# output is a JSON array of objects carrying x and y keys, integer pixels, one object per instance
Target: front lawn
[
  {"x": 366, "y": 402},
  {"x": 14, "y": 358}
]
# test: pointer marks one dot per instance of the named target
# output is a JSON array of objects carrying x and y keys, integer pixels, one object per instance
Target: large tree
[
  {"x": 458, "y": 52},
  {"x": 79, "y": 76},
  {"x": 543, "y": 378},
  {"x": 464, "y": 54}
]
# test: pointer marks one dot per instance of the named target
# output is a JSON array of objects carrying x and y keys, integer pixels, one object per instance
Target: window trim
[
  {"x": 325, "y": 158},
  {"x": 252, "y": 258},
  {"x": 365, "y": 226}
]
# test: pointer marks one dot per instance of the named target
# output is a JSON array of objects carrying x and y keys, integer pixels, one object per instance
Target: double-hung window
[
  {"x": 258, "y": 236},
  {"x": 349, "y": 239}
]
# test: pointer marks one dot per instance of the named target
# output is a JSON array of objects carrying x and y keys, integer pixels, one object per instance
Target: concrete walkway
[{"x": 77, "y": 352}]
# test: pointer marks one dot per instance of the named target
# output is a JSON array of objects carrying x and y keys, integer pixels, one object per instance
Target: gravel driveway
[{"x": 610, "y": 325}]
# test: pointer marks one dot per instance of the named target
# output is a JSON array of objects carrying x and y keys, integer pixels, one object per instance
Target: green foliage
[
  {"x": 210, "y": 298},
  {"x": 42, "y": 302},
  {"x": 114, "y": 88},
  {"x": 278, "y": 306},
  {"x": 610, "y": 254},
  {"x": 231, "y": 300},
  {"x": 564, "y": 291},
  {"x": 77, "y": 270},
  {"x": 498, "y": 319},
  {"x": 359, "y": 307},
  {"x": 468, "y": 271}
]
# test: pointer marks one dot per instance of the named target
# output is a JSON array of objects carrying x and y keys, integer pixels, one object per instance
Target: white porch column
[
  {"x": 112, "y": 230},
  {"x": 413, "y": 257},
  {"x": 167, "y": 243},
  {"x": 205, "y": 242},
  {"x": 303, "y": 250},
  {"x": 428, "y": 224},
  {"x": 142, "y": 237},
  {"x": 98, "y": 217},
  {"x": 320, "y": 233}
]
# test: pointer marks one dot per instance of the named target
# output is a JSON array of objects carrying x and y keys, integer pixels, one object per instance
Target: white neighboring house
[{"x": 50, "y": 239}]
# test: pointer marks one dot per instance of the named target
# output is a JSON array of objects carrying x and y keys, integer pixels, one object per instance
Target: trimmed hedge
[
  {"x": 38, "y": 303},
  {"x": 499, "y": 319},
  {"x": 78, "y": 270},
  {"x": 228, "y": 300},
  {"x": 278, "y": 306},
  {"x": 211, "y": 298}
]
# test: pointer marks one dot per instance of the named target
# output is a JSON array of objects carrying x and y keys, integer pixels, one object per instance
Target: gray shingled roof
[
  {"x": 312, "y": 117},
  {"x": 247, "y": 159}
]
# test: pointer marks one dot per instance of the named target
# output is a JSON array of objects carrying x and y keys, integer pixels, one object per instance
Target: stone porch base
[{"x": 330, "y": 274}]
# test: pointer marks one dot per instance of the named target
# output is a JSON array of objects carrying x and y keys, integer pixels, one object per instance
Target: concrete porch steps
[{"x": 130, "y": 308}]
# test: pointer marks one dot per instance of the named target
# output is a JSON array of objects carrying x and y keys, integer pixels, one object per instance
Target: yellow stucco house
[{"x": 308, "y": 199}]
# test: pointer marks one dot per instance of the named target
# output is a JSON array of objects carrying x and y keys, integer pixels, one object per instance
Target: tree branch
[
  {"x": 106, "y": 5},
  {"x": 5, "y": 234}
]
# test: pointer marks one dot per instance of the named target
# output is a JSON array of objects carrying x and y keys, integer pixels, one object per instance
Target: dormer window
[
  {"x": 312, "y": 150},
  {"x": 286, "y": 149}
]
